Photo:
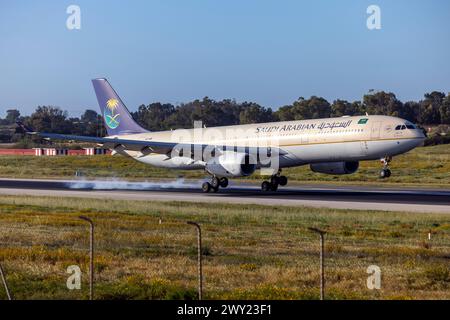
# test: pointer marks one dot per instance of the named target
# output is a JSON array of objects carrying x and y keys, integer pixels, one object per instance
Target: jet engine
[
  {"x": 347, "y": 167},
  {"x": 231, "y": 164}
]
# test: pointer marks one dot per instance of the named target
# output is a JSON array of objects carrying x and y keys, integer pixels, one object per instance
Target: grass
[
  {"x": 145, "y": 250},
  {"x": 426, "y": 166}
]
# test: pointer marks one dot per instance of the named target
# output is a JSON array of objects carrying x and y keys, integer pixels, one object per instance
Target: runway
[{"x": 320, "y": 196}]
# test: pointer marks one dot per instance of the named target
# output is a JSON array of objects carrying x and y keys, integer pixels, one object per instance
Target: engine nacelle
[
  {"x": 231, "y": 164},
  {"x": 347, "y": 167}
]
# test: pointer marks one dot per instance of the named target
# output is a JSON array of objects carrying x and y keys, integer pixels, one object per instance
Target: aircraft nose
[{"x": 421, "y": 135}]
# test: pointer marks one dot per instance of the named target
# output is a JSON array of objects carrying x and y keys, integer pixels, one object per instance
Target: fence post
[
  {"x": 322, "y": 258},
  {"x": 91, "y": 257},
  {"x": 199, "y": 258},
  {"x": 5, "y": 284}
]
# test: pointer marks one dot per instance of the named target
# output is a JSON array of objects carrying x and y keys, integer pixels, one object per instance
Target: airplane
[{"x": 331, "y": 146}]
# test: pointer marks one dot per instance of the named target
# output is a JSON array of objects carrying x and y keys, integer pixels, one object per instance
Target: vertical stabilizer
[{"x": 117, "y": 118}]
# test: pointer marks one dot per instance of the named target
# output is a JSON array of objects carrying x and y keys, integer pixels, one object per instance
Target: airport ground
[
  {"x": 421, "y": 200},
  {"x": 145, "y": 250}
]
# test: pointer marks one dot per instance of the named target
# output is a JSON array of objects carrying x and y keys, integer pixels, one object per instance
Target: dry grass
[{"x": 255, "y": 252}]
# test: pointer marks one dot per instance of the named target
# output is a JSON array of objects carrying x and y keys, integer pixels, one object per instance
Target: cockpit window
[{"x": 405, "y": 126}]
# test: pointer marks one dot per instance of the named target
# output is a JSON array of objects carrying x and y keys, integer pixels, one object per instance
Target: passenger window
[
  {"x": 403, "y": 127},
  {"x": 398, "y": 127}
]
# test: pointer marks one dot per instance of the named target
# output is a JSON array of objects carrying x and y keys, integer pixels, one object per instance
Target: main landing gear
[
  {"x": 385, "y": 172},
  {"x": 215, "y": 184},
  {"x": 275, "y": 181}
]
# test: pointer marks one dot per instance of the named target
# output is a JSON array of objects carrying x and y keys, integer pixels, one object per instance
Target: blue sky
[{"x": 269, "y": 52}]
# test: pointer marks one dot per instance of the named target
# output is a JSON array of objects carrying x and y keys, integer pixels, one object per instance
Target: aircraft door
[{"x": 375, "y": 133}]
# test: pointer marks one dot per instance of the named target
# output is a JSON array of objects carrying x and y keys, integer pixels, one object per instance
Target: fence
[
  {"x": 53, "y": 152},
  {"x": 148, "y": 258}
]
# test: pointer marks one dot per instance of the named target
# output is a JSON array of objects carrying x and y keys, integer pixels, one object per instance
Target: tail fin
[
  {"x": 116, "y": 116},
  {"x": 24, "y": 128}
]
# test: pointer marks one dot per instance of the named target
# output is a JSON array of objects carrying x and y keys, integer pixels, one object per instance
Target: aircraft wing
[
  {"x": 143, "y": 146},
  {"x": 147, "y": 146},
  {"x": 113, "y": 143}
]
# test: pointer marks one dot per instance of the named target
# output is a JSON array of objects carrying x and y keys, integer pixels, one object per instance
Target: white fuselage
[{"x": 300, "y": 142}]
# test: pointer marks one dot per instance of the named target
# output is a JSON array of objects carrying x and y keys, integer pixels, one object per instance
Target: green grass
[
  {"x": 426, "y": 166},
  {"x": 145, "y": 250}
]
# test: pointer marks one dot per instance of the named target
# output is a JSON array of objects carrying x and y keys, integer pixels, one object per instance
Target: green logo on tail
[{"x": 112, "y": 119}]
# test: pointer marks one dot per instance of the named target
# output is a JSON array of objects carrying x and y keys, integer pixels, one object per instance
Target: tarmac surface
[{"x": 326, "y": 196}]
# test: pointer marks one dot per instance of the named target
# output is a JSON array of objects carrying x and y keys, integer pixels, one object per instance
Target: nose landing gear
[{"x": 385, "y": 172}]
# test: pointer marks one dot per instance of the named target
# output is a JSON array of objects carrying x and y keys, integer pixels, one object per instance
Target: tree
[
  {"x": 50, "y": 119},
  {"x": 12, "y": 116},
  {"x": 89, "y": 116},
  {"x": 91, "y": 124},
  {"x": 318, "y": 107},
  {"x": 254, "y": 113},
  {"x": 215, "y": 113},
  {"x": 154, "y": 116},
  {"x": 210, "y": 112},
  {"x": 431, "y": 107},
  {"x": 383, "y": 103},
  {"x": 182, "y": 118},
  {"x": 445, "y": 110},
  {"x": 341, "y": 108},
  {"x": 411, "y": 111},
  {"x": 312, "y": 108}
]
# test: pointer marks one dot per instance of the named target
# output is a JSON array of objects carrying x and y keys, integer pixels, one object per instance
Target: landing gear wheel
[
  {"x": 266, "y": 186},
  {"x": 206, "y": 187},
  {"x": 274, "y": 186},
  {"x": 224, "y": 182},
  {"x": 388, "y": 172},
  {"x": 214, "y": 189},
  {"x": 282, "y": 180},
  {"x": 215, "y": 182},
  {"x": 385, "y": 173},
  {"x": 274, "y": 180}
]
